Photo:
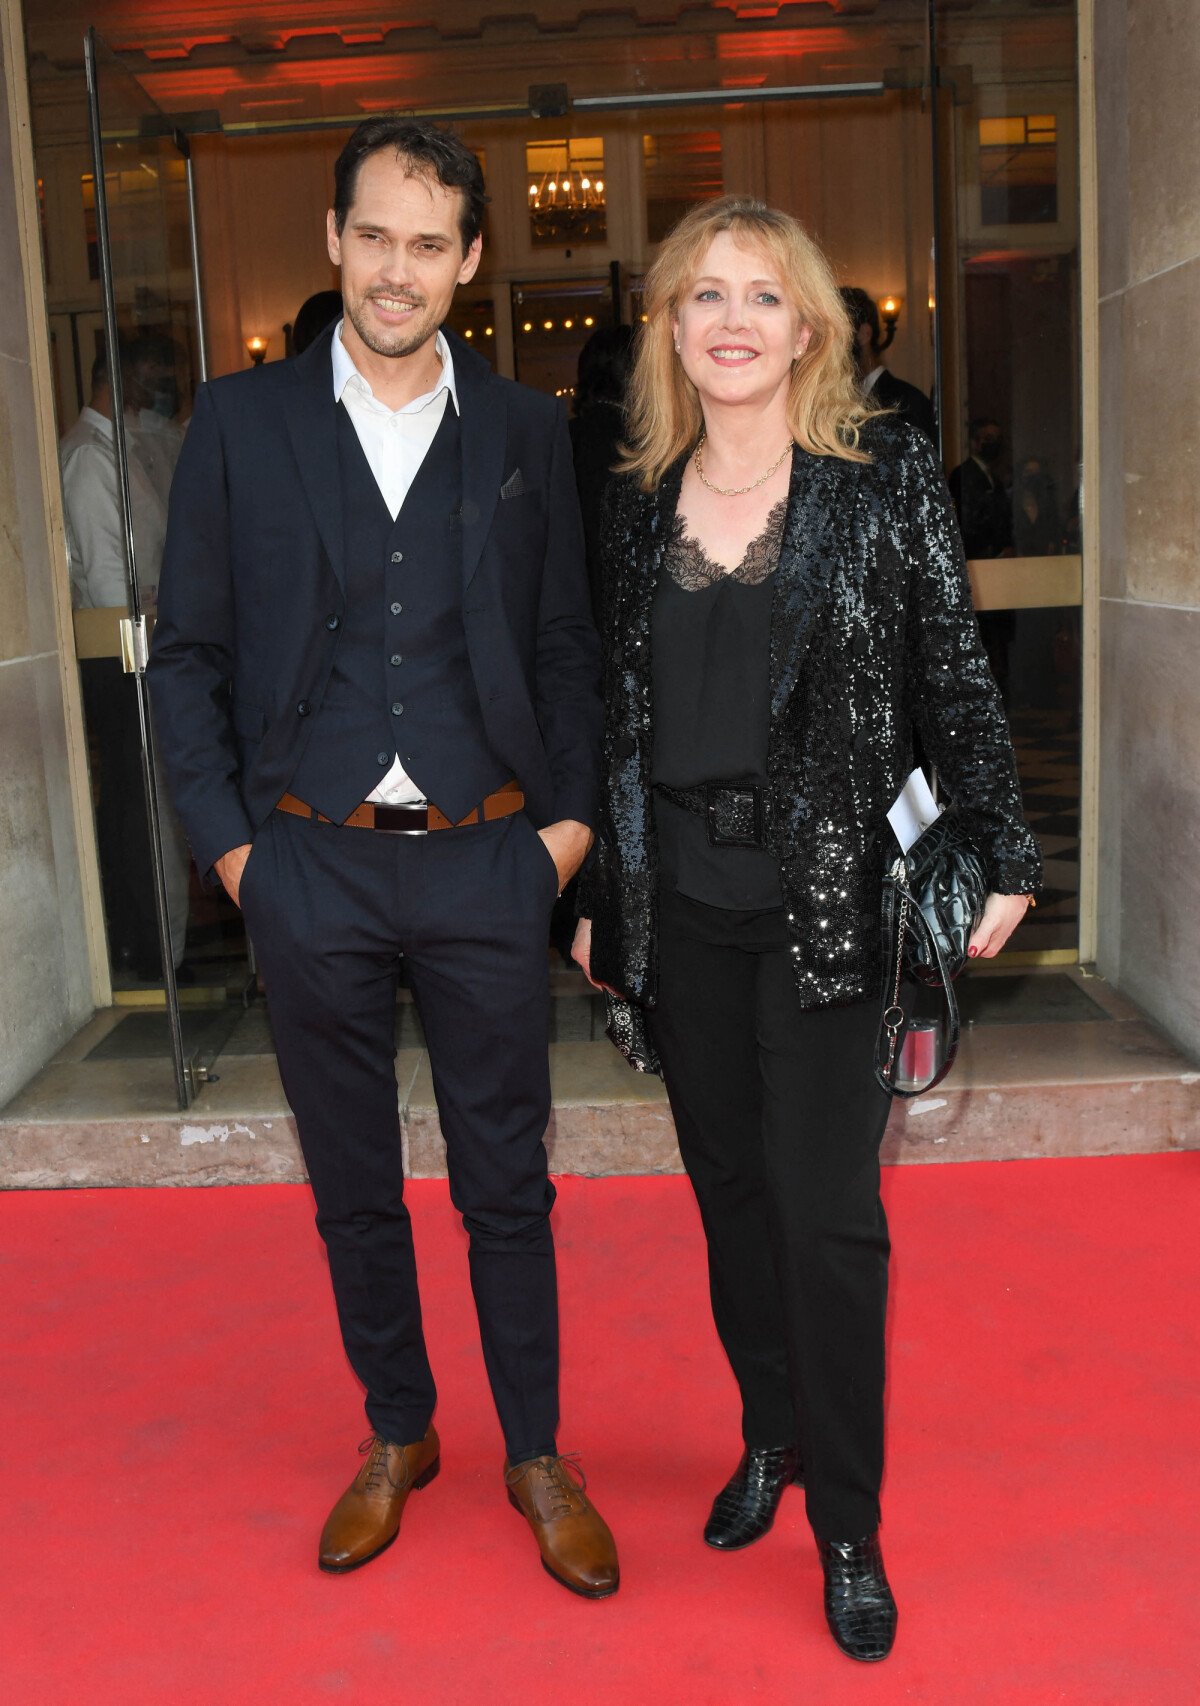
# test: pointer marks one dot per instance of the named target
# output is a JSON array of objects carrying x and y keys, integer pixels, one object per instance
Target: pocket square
[{"x": 513, "y": 486}]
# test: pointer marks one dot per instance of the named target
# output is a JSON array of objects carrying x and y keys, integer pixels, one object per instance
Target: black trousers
[
  {"x": 779, "y": 1120},
  {"x": 329, "y": 910}
]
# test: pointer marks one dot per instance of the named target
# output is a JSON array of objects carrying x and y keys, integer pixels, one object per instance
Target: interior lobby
[{"x": 992, "y": 173}]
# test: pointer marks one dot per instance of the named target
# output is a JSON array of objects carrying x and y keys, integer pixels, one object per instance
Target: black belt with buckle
[{"x": 735, "y": 813}]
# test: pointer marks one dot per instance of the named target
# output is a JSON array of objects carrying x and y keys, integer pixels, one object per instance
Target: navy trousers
[{"x": 329, "y": 910}]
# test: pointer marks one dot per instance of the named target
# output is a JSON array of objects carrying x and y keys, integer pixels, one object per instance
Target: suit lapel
[
  {"x": 483, "y": 418},
  {"x": 312, "y": 427},
  {"x": 820, "y": 507}
]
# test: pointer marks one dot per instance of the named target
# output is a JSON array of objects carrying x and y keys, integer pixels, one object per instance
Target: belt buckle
[
  {"x": 383, "y": 813},
  {"x": 733, "y": 814}
]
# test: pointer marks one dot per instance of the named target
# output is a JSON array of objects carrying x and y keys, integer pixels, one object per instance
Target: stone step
[{"x": 1055, "y": 1064}]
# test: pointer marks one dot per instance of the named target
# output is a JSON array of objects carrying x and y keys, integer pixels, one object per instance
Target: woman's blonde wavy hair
[{"x": 825, "y": 407}]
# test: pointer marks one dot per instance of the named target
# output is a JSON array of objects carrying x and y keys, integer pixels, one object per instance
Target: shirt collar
[
  {"x": 345, "y": 373},
  {"x": 97, "y": 421},
  {"x": 869, "y": 382}
]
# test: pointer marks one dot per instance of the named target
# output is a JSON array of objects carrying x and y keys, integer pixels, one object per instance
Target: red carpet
[{"x": 177, "y": 1417}]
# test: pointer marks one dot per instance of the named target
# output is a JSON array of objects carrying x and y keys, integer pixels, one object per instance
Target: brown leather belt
[{"x": 413, "y": 820}]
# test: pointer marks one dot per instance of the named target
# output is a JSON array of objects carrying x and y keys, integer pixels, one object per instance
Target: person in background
[
  {"x": 785, "y": 591},
  {"x": 985, "y": 520},
  {"x": 980, "y": 493},
  {"x": 596, "y": 429},
  {"x": 879, "y": 384},
  {"x": 151, "y": 393},
  {"x": 1037, "y": 525},
  {"x": 316, "y": 312},
  {"x": 96, "y": 562}
]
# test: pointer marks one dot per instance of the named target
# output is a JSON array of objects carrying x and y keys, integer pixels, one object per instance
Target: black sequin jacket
[{"x": 872, "y": 629}]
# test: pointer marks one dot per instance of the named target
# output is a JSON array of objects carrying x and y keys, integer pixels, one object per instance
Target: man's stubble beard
[{"x": 398, "y": 343}]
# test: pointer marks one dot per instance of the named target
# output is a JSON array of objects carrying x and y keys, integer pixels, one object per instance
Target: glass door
[{"x": 146, "y": 359}]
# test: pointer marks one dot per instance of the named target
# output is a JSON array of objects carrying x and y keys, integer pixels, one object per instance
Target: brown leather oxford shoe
[
  {"x": 366, "y": 1519},
  {"x": 576, "y": 1546}
]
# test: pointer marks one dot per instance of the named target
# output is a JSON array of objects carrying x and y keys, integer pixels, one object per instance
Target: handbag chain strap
[{"x": 893, "y": 1016}]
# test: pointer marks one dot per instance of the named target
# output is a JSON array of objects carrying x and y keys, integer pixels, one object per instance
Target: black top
[{"x": 710, "y": 644}]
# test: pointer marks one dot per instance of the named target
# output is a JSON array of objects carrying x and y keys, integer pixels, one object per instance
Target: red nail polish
[{"x": 971, "y": 953}]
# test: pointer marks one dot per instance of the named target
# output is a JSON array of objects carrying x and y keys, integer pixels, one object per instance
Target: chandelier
[{"x": 567, "y": 205}]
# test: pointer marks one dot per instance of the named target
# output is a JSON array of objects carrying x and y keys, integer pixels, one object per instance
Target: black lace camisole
[{"x": 711, "y": 667}]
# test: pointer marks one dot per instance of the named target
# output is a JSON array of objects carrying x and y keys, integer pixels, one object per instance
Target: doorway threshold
[{"x": 1054, "y": 1062}]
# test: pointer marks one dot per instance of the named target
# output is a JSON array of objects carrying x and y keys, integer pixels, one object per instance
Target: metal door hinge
[
  {"x": 197, "y": 1076},
  {"x": 135, "y": 645}
]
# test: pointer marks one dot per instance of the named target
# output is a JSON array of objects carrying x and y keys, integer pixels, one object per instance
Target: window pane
[
  {"x": 1018, "y": 170},
  {"x": 682, "y": 168}
]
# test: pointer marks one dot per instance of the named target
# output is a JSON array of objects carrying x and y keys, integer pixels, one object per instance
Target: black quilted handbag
[{"x": 933, "y": 899}]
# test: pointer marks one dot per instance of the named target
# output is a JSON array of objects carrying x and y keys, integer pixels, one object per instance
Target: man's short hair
[
  {"x": 430, "y": 151},
  {"x": 148, "y": 347},
  {"x": 863, "y": 311},
  {"x": 975, "y": 427}
]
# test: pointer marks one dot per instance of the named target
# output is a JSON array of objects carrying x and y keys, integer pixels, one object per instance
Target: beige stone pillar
[
  {"x": 49, "y": 909},
  {"x": 1145, "y": 515}
]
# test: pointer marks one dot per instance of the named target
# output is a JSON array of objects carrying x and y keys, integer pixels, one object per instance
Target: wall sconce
[
  {"x": 257, "y": 349},
  {"x": 889, "y": 312}
]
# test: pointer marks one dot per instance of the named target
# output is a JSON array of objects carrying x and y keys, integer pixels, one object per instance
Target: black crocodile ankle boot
[
  {"x": 859, "y": 1607},
  {"x": 745, "y": 1507}
]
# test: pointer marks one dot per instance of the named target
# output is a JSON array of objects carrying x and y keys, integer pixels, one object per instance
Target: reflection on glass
[
  {"x": 680, "y": 169},
  {"x": 475, "y": 322},
  {"x": 565, "y": 191},
  {"x": 1018, "y": 169},
  {"x": 1015, "y": 473},
  {"x": 551, "y": 323}
]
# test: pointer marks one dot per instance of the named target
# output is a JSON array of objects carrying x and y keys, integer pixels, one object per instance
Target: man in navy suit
[{"x": 375, "y": 684}]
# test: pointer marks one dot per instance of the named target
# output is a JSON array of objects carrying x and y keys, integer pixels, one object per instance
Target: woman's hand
[
  {"x": 1001, "y": 915},
  {"x": 581, "y": 953}
]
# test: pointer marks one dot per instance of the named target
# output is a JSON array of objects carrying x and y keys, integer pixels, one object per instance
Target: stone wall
[
  {"x": 45, "y": 981},
  {"x": 1148, "y": 146}
]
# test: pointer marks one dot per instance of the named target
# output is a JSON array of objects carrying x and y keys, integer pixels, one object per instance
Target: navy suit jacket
[{"x": 253, "y": 575}]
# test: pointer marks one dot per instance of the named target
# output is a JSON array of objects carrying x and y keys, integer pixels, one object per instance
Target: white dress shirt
[
  {"x": 869, "y": 383},
  {"x": 395, "y": 442},
  {"x": 95, "y": 534}
]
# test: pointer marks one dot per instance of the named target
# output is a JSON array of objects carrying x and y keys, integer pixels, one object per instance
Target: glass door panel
[
  {"x": 139, "y": 372},
  {"x": 552, "y": 320},
  {"x": 1010, "y": 275}
]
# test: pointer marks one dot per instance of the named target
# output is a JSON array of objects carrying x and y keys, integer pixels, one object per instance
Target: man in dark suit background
[
  {"x": 985, "y": 519},
  {"x": 877, "y": 380},
  {"x": 375, "y": 681},
  {"x": 981, "y": 495}
]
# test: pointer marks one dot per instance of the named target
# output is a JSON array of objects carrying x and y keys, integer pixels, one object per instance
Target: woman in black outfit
[{"x": 785, "y": 595}]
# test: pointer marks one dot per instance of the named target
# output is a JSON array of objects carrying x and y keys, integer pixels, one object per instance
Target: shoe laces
[
  {"x": 377, "y": 1465},
  {"x": 562, "y": 1477}
]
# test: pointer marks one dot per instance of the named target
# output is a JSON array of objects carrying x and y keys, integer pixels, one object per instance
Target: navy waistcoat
[{"x": 401, "y": 681}]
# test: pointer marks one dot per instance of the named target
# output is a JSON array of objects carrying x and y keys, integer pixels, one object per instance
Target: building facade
[{"x": 1011, "y": 199}]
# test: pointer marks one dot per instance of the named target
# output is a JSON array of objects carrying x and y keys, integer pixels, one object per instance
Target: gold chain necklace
[{"x": 736, "y": 491}]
